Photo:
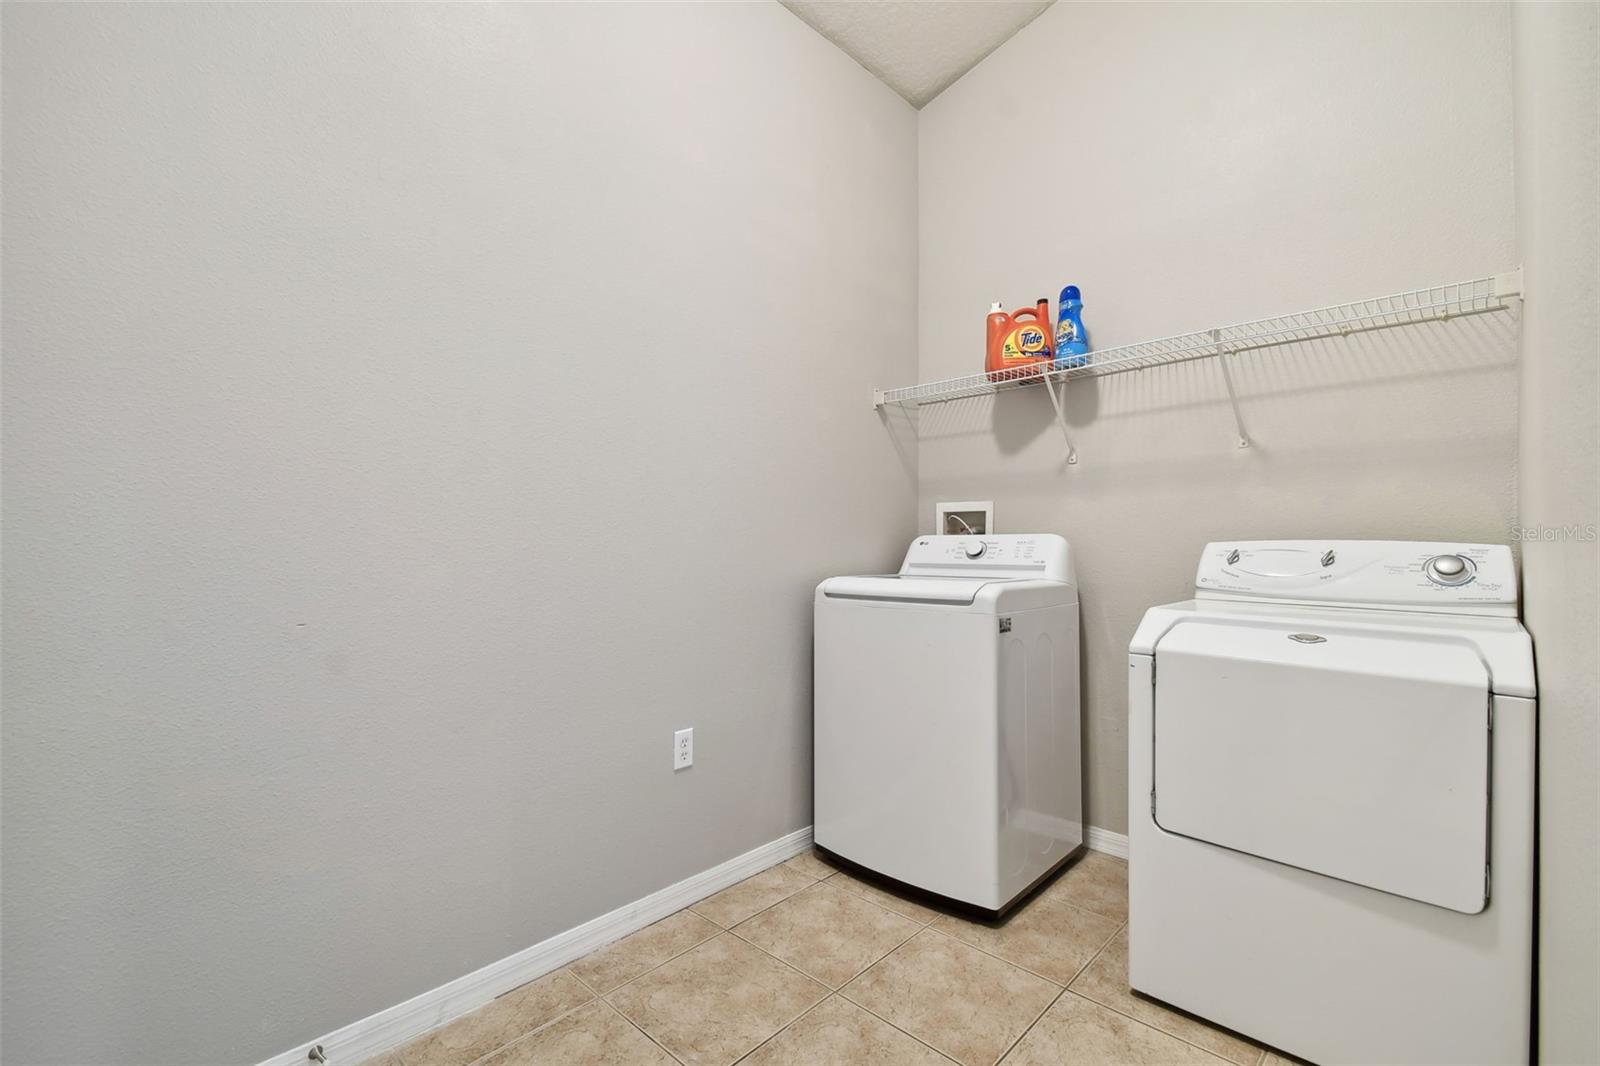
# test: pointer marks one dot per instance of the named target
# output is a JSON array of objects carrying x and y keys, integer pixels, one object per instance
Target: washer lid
[
  {"x": 907, "y": 588},
  {"x": 1358, "y": 756}
]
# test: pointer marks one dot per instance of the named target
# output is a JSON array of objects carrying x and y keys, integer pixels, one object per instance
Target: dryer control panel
[{"x": 1400, "y": 575}]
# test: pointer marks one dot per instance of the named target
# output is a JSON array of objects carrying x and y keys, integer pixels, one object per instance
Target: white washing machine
[
  {"x": 947, "y": 717},
  {"x": 1331, "y": 798}
]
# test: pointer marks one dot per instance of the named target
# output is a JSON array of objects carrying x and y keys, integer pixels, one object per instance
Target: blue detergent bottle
[{"x": 1072, "y": 340}]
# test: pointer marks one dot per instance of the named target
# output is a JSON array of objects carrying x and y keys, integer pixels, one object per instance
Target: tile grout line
[
  {"x": 821, "y": 984},
  {"x": 539, "y": 1029},
  {"x": 592, "y": 990},
  {"x": 663, "y": 962},
  {"x": 593, "y": 998},
  {"x": 839, "y": 992},
  {"x": 763, "y": 910},
  {"x": 520, "y": 1037},
  {"x": 887, "y": 1022},
  {"x": 1259, "y": 1060},
  {"x": 1020, "y": 966},
  {"x": 803, "y": 1014},
  {"x": 1164, "y": 1032},
  {"x": 689, "y": 909},
  {"x": 639, "y": 976},
  {"x": 784, "y": 962},
  {"x": 1120, "y": 919},
  {"x": 874, "y": 966},
  {"x": 1066, "y": 988},
  {"x": 1060, "y": 991},
  {"x": 814, "y": 883},
  {"x": 869, "y": 902},
  {"x": 742, "y": 940},
  {"x": 664, "y": 1049},
  {"x": 921, "y": 921},
  {"x": 1061, "y": 988},
  {"x": 831, "y": 869},
  {"x": 599, "y": 997},
  {"x": 1029, "y": 1027},
  {"x": 857, "y": 895},
  {"x": 818, "y": 980},
  {"x": 1099, "y": 951}
]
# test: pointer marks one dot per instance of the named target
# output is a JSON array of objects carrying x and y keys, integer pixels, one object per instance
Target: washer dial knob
[
  {"x": 975, "y": 549},
  {"x": 1449, "y": 570}
]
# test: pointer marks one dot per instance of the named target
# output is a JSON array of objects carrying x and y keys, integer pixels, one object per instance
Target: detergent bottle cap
[
  {"x": 995, "y": 307},
  {"x": 1071, "y": 293}
]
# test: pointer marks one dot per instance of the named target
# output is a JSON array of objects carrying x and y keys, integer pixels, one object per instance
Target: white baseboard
[
  {"x": 389, "y": 1028},
  {"x": 1107, "y": 841}
]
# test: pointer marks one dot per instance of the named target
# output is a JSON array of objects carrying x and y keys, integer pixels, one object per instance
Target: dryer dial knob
[
  {"x": 975, "y": 549},
  {"x": 1449, "y": 570}
]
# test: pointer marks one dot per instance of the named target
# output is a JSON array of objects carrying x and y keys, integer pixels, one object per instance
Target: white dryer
[
  {"x": 1331, "y": 800},
  {"x": 947, "y": 717}
]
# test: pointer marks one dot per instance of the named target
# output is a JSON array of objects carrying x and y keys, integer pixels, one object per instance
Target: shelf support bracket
[
  {"x": 1057, "y": 402},
  {"x": 1227, "y": 379},
  {"x": 1508, "y": 284}
]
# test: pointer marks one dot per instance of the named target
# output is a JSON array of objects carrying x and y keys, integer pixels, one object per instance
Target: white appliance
[
  {"x": 947, "y": 724},
  {"x": 1331, "y": 797}
]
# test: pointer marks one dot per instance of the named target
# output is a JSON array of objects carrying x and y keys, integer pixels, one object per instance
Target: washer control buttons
[
  {"x": 1328, "y": 557},
  {"x": 1449, "y": 570},
  {"x": 1233, "y": 556},
  {"x": 975, "y": 549}
]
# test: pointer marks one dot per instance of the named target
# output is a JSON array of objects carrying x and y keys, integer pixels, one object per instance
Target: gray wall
[
  {"x": 1190, "y": 166},
  {"x": 1558, "y": 221},
  {"x": 413, "y": 415}
]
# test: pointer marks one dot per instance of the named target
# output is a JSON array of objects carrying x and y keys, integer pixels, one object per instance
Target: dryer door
[{"x": 1361, "y": 757}]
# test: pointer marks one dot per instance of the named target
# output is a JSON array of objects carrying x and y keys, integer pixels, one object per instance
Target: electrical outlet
[{"x": 682, "y": 749}]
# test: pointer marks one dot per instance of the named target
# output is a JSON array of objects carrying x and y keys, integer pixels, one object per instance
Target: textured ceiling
[{"x": 917, "y": 47}]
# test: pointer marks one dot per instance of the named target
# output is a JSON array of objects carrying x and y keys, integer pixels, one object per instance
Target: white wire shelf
[{"x": 1433, "y": 304}]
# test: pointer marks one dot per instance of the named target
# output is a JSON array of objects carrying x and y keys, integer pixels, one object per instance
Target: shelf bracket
[
  {"x": 1227, "y": 378},
  {"x": 1057, "y": 401},
  {"x": 1509, "y": 284}
]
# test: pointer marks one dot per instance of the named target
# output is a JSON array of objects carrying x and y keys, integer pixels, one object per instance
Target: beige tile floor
[{"x": 805, "y": 965}]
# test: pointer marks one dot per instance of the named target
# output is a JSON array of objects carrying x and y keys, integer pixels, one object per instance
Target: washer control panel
[
  {"x": 999, "y": 555},
  {"x": 1404, "y": 575}
]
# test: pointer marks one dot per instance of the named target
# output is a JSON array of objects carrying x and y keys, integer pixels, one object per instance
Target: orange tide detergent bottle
[{"x": 1019, "y": 344}]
